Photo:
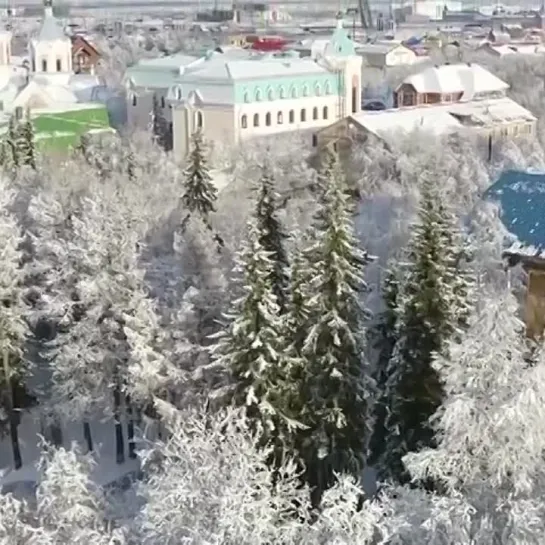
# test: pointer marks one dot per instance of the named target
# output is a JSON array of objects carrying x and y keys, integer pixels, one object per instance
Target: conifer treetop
[{"x": 200, "y": 193}]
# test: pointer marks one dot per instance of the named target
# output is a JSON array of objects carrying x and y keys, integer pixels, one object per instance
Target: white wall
[
  {"x": 51, "y": 52},
  {"x": 139, "y": 115},
  {"x": 284, "y": 106}
]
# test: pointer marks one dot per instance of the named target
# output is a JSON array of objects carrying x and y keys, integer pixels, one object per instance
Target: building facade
[
  {"x": 85, "y": 57},
  {"x": 233, "y": 94}
]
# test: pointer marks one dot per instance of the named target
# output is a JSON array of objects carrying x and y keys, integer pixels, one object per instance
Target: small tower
[{"x": 51, "y": 50}]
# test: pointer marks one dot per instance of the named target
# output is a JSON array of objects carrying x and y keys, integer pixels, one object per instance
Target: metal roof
[
  {"x": 51, "y": 30},
  {"x": 521, "y": 196}
]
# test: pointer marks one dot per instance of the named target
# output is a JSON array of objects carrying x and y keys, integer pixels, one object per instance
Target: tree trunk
[
  {"x": 119, "y": 442},
  {"x": 130, "y": 428},
  {"x": 12, "y": 416},
  {"x": 87, "y": 435}
]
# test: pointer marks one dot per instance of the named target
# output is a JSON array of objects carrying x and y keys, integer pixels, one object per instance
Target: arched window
[
  {"x": 268, "y": 119},
  {"x": 199, "y": 120},
  {"x": 59, "y": 65},
  {"x": 279, "y": 118},
  {"x": 282, "y": 92},
  {"x": 44, "y": 65},
  {"x": 134, "y": 100},
  {"x": 305, "y": 90},
  {"x": 246, "y": 97},
  {"x": 292, "y": 116},
  {"x": 162, "y": 102},
  {"x": 317, "y": 90},
  {"x": 293, "y": 92},
  {"x": 244, "y": 121},
  {"x": 178, "y": 93},
  {"x": 256, "y": 120},
  {"x": 325, "y": 112},
  {"x": 314, "y": 113},
  {"x": 303, "y": 115},
  {"x": 328, "y": 88},
  {"x": 258, "y": 95},
  {"x": 270, "y": 94}
]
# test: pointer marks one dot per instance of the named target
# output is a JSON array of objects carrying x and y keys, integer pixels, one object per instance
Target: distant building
[
  {"x": 61, "y": 103},
  {"x": 386, "y": 54},
  {"x": 85, "y": 57},
  {"x": 234, "y": 94},
  {"x": 439, "y": 101},
  {"x": 449, "y": 83}
]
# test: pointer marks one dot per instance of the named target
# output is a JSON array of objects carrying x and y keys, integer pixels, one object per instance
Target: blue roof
[{"x": 521, "y": 196}]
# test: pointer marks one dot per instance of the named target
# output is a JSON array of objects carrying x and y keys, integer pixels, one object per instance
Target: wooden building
[{"x": 85, "y": 56}]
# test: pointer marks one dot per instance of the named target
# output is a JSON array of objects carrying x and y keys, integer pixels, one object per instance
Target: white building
[
  {"x": 386, "y": 54},
  {"x": 234, "y": 94}
]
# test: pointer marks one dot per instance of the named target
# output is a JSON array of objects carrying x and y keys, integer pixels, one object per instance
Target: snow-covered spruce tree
[
  {"x": 12, "y": 159},
  {"x": 251, "y": 348},
  {"x": 490, "y": 439},
  {"x": 383, "y": 338},
  {"x": 432, "y": 306},
  {"x": 13, "y": 326},
  {"x": 199, "y": 192},
  {"x": 26, "y": 143},
  {"x": 335, "y": 383},
  {"x": 159, "y": 126},
  {"x": 272, "y": 236}
]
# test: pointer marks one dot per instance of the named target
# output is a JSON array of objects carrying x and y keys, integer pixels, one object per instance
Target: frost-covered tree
[
  {"x": 26, "y": 143},
  {"x": 334, "y": 376},
  {"x": 13, "y": 326},
  {"x": 159, "y": 126},
  {"x": 251, "y": 348},
  {"x": 209, "y": 483},
  {"x": 199, "y": 192},
  {"x": 12, "y": 159},
  {"x": 432, "y": 306},
  {"x": 272, "y": 236},
  {"x": 69, "y": 506},
  {"x": 488, "y": 456}
]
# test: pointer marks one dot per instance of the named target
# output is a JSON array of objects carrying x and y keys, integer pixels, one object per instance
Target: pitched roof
[
  {"x": 521, "y": 196},
  {"x": 470, "y": 79},
  {"x": 51, "y": 30}
]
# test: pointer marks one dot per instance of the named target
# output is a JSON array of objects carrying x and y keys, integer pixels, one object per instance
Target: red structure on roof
[{"x": 266, "y": 43}]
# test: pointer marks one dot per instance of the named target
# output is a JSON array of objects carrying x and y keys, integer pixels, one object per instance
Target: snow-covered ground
[{"x": 106, "y": 470}]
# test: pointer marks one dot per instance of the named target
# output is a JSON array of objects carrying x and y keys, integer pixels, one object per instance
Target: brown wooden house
[{"x": 85, "y": 56}]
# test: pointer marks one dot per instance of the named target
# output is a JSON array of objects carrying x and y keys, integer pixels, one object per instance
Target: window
[
  {"x": 314, "y": 113},
  {"x": 305, "y": 90},
  {"x": 18, "y": 113},
  {"x": 178, "y": 93},
  {"x": 282, "y": 92},
  {"x": 328, "y": 88},
  {"x": 244, "y": 121},
  {"x": 162, "y": 102},
  {"x": 317, "y": 90},
  {"x": 324, "y": 112},
  {"x": 258, "y": 95},
  {"x": 314, "y": 140},
  {"x": 293, "y": 92},
  {"x": 268, "y": 119},
  {"x": 256, "y": 120},
  {"x": 303, "y": 115},
  {"x": 246, "y": 97},
  {"x": 134, "y": 100},
  {"x": 59, "y": 65},
  {"x": 270, "y": 94},
  {"x": 279, "y": 118},
  {"x": 199, "y": 120},
  {"x": 292, "y": 116},
  {"x": 44, "y": 65}
]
